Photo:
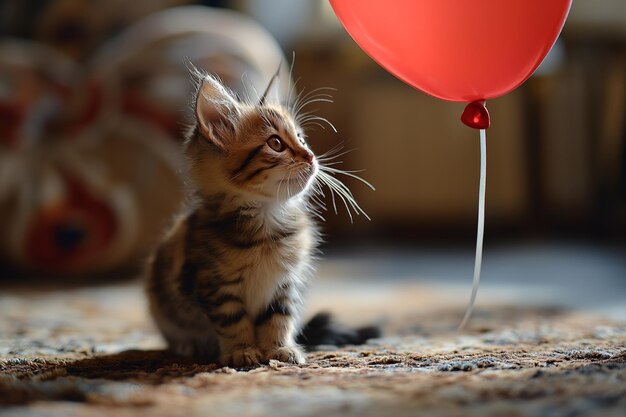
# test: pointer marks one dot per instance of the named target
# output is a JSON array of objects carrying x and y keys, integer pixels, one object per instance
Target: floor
[{"x": 548, "y": 339}]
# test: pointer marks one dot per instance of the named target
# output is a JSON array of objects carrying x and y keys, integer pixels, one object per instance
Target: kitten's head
[{"x": 256, "y": 151}]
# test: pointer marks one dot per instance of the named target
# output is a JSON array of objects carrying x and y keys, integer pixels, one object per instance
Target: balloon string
[{"x": 481, "y": 227}]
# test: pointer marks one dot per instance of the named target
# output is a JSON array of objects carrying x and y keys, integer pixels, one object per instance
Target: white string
[{"x": 481, "y": 227}]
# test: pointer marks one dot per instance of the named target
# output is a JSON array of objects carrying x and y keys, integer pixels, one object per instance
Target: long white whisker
[
  {"x": 328, "y": 164},
  {"x": 344, "y": 192},
  {"x": 330, "y": 188},
  {"x": 333, "y": 150},
  {"x": 289, "y": 88},
  {"x": 323, "y": 119},
  {"x": 293, "y": 89},
  {"x": 303, "y": 125},
  {"x": 278, "y": 190},
  {"x": 333, "y": 186},
  {"x": 318, "y": 98},
  {"x": 349, "y": 174},
  {"x": 289, "y": 185},
  {"x": 304, "y": 97}
]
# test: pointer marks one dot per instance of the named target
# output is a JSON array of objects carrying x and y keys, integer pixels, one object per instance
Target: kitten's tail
[{"x": 323, "y": 330}]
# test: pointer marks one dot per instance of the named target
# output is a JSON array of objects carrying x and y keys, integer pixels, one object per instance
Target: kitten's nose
[{"x": 308, "y": 156}]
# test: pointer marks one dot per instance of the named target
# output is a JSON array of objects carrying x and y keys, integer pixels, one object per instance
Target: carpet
[{"x": 92, "y": 351}]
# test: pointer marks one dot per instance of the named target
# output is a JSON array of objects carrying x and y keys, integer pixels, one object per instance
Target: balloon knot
[{"x": 476, "y": 115}]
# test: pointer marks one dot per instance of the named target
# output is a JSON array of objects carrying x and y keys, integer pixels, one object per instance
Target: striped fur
[{"x": 227, "y": 281}]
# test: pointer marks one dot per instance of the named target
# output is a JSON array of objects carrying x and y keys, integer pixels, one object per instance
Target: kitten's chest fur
[{"x": 261, "y": 249}]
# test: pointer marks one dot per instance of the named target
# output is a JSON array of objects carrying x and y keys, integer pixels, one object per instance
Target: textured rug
[{"x": 93, "y": 351}]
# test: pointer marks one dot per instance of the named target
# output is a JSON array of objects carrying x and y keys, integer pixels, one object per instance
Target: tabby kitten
[{"x": 227, "y": 281}]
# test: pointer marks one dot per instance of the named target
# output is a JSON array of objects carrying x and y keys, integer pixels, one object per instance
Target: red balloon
[{"x": 456, "y": 50}]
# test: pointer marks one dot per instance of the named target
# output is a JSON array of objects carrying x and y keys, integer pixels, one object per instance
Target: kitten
[{"x": 227, "y": 281}]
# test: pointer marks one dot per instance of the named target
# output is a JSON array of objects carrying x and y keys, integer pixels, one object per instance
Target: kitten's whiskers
[{"x": 326, "y": 176}]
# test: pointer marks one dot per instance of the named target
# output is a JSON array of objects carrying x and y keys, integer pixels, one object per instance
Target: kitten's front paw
[
  {"x": 288, "y": 354},
  {"x": 248, "y": 356}
]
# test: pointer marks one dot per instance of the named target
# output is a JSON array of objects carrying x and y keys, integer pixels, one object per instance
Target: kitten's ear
[{"x": 216, "y": 111}]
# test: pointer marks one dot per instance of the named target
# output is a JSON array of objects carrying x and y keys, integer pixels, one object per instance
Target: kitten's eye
[
  {"x": 275, "y": 143},
  {"x": 301, "y": 139}
]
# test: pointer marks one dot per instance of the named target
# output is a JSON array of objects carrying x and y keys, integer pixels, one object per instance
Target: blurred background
[{"x": 94, "y": 104}]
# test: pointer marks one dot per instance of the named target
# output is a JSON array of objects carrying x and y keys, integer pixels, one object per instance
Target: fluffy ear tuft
[{"x": 216, "y": 111}]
